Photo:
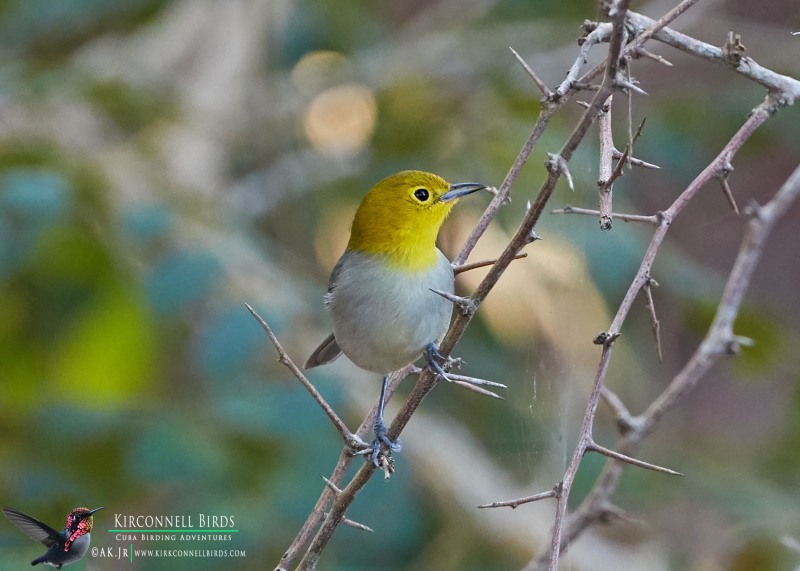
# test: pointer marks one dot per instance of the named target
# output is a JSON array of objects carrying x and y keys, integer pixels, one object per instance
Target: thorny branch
[
  {"x": 336, "y": 498},
  {"x": 719, "y": 341}
]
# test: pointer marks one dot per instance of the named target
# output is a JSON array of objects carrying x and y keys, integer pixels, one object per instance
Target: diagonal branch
[
  {"x": 351, "y": 440},
  {"x": 714, "y": 346}
]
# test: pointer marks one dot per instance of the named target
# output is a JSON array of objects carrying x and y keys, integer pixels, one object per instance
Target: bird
[
  {"x": 66, "y": 546},
  {"x": 380, "y": 293}
]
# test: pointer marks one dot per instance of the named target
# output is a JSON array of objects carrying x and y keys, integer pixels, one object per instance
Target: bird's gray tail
[{"x": 327, "y": 352}]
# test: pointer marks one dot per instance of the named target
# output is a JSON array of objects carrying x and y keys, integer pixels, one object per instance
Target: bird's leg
[{"x": 381, "y": 430}]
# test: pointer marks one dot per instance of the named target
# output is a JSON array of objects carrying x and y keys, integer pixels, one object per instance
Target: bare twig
[
  {"x": 539, "y": 83},
  {"x": 331, "y": 489},
  {"x": 569, "y": 209},
  {"x": 604, "y": 183},
  {"x": 514, "y": 504},
  {"x": 788, "y": 87},
  {"x": 351, "y": 440},
  {"x": 655, "y": 325},
  {"x": 600, "y": 33},
  {"x": 625, "y": 421},
  {"x": 482, "y": 264}
]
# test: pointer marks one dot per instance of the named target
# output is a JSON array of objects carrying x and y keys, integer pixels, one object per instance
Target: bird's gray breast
[{"x": 383, "y": 317}]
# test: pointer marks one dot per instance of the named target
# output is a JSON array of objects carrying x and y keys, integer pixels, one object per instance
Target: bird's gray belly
[{"x": 384, "y": 319}]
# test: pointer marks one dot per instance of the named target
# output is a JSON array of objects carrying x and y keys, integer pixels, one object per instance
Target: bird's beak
[
  {"x": 96, "y": 510},
  {"x": 461, "y": 189}
]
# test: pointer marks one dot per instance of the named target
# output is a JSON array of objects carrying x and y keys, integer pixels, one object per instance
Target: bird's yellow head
[{"x": 400, "y": 218}]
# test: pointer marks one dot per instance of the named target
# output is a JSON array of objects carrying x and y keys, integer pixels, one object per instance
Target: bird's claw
[
  {"x": 432, "y": 357},
  {"x": 382, "y": 438}
]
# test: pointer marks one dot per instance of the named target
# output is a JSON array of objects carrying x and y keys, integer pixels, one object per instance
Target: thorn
[
  {"x": 474, "y": 388},
  {"x": 616, "y": 154},
  {"x": 655, "y": 325},
  {"x": 726, "y": 190},
  {"x": 624, "y": 83},
  {"x": 557, "y": 165},
  {"x": 333, "y": 487},
  {"x": 355, "y": 524},
  {"x": 641, "y": 52},
  {"x": 533, "y": 236},
  {"x": 594, "y": 447},
  {"x": 465, "y": 304},
  {"x": 539, "y": 83},
  {"x": 476, "y": 381}
]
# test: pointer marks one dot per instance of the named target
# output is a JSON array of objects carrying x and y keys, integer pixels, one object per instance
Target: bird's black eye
[{"x": 422, "y": 194}]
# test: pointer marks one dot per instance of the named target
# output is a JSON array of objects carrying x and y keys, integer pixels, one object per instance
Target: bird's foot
[
  {"x": 381, "y": 437},
  {"x": 432, "y": 358}
]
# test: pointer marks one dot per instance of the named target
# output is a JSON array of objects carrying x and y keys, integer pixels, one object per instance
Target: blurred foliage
[{"x": 163, "y": 162}]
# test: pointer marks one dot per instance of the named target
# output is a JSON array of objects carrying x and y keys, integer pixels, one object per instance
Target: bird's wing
[
  {"x": 32, "y": 527},
  {"x": 328, "y": 351},
  {"x": 337, "y": 269}
]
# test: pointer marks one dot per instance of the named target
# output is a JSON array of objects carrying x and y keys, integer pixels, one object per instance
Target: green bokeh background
[{"x": 160, "y": 166}]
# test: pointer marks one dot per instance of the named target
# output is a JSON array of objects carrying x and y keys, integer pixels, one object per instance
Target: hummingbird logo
[{"x": 65, "y": 547}]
